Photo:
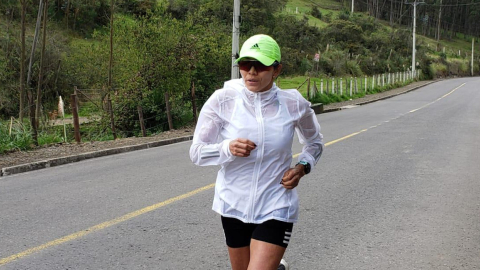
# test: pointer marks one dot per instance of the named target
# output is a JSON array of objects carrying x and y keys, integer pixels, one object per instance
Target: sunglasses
[{"x": 259, "y": 67}]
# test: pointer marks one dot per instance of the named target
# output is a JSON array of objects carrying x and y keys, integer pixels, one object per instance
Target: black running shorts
[{"x": 238, "y": 233}]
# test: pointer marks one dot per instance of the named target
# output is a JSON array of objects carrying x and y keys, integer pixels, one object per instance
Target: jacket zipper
[{"x": 259, "y": 158}]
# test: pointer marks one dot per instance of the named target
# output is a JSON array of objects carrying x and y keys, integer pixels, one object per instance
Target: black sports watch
[{"x": 306, "y": 166}]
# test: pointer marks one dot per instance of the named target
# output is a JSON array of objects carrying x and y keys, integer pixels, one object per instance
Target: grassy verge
[{"x": 326, "y": 95}]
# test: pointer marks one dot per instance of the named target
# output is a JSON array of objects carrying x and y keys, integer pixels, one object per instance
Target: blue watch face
[{"x": 306, "y": 166}]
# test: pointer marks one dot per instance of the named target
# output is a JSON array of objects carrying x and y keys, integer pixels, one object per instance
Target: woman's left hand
[{"x": 292, "y": 176}]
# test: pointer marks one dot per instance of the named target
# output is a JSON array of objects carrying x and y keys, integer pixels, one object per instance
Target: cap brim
[{"x": 257, "y": 56}]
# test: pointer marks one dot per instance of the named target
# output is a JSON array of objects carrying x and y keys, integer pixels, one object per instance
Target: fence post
[
  {"x": 76, "y": 123},
  {"x": 356, "y": 85},
  {"x": 373, "y": 82},
  {"x": 366, "y": 86},
  {"x": 308, "y": 89},
  {"x": 112, "y": 119},
  {"x": 333, "y": 86},
  {"x": 169, "y": 115},
  {"x": 11, "y": 124},
  {"x": 140, "y": 118},
  {"x": 321, "y": 86},
  {"x": 194, "y": 103},
  {"x": 351, "y": 86},
  {"x": 341, "y": 86}
]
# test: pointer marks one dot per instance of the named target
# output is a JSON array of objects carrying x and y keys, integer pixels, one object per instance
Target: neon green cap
[{"x": 262, "y": 48}]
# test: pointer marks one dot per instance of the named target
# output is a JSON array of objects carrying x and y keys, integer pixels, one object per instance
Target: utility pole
[
  {"x": 415, "y": 3},
  {"x": 235, "y": 38}
]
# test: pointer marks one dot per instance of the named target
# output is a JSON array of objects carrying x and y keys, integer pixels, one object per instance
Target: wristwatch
[{"x": 306, "y": 166}]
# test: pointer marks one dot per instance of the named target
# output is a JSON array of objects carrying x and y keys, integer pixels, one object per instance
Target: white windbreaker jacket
[{"x": 248, "y": 188}]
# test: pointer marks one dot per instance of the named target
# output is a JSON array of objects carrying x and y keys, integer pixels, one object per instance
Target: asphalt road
[{"x": 397, "y": 188}]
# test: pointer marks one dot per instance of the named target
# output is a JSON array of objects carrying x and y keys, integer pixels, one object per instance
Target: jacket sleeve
[
  {"x": 208, "y": 148},
  {"x": 308, "y": 130}
]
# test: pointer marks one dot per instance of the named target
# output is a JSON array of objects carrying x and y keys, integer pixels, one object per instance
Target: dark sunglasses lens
[{"x": 247, "y": 65}]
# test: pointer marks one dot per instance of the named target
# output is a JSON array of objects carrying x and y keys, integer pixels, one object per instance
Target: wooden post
[
  {"x": 11, "y": 124},
  {"x": 76, "y": 122},
  {"x": 140, "y": 118},
  {"x": 112, "y": 119},
  {"x": 194, "y": 102},
  {"x": 308, "y": 89},
  {"x": 321, "y": 86},
  {"x": 169, "y": 115}
]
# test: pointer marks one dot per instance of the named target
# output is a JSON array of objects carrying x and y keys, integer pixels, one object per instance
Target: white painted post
[
  {"x": 333, "y": 86},
  {"x": 350, "y": 86},
  {"x": 321, "y": 86},
  {"x": 341, "y": 86},
  {"x": 366, "y": 86},
  {"x": 373, "y": 82},
  {"x": 471, "y": 63},
  {"x": 356, "y": 85}
]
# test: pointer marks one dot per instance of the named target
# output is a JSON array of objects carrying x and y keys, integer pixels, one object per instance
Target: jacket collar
[{"x": 249, "y": 96}]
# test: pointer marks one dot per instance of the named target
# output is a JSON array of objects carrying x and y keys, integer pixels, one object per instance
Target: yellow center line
[
  {"x": 103, "y": 225},
  {"x": 150, "y": 208}
]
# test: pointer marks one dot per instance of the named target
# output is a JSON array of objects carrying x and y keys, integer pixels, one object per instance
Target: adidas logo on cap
[{"x": 255, "y": 46}]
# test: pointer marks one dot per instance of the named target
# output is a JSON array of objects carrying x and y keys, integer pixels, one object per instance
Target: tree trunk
[
  {"x": 67, "y": 12},
  {"x": 439, "y": 21},
  {"x": 110, "y": 64},
  {"x": 32, "y": 55},
  {"x": 22, "y": 61},
  {"x": 452, "y": 31},
  {"x": 40, "y": 75},
  {"x": 391, "y": 13}
]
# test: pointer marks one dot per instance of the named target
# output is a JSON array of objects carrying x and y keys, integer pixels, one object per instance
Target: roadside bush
[
  {"x": 458, "y": 67},
  {"x": 438, "y": 70},
  {"x": 19, "y": 139}
]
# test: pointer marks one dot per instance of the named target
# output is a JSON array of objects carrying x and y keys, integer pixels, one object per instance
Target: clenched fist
[{"x": 241, "y": 147}]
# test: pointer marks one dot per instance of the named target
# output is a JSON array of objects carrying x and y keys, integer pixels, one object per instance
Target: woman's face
[{"x": 257, "y": 77}]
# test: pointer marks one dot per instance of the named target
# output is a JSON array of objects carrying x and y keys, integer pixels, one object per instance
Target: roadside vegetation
[{"x": 165, "y": 50}]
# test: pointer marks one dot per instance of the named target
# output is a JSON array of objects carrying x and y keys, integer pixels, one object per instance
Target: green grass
[{"x": 305, "y": 7}]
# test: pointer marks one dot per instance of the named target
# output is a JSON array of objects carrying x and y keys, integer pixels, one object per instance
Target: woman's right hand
[{"x": 241, "y": 147}]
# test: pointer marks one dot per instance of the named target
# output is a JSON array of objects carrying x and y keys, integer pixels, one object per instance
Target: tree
[
  {"x": 23, "y": 4},
  {"x": 40, "y": 76}
]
